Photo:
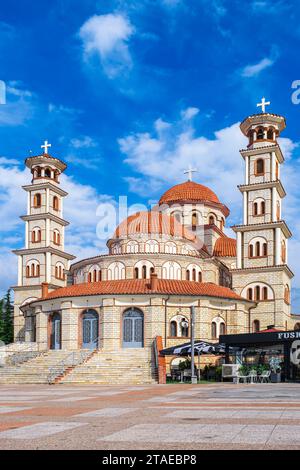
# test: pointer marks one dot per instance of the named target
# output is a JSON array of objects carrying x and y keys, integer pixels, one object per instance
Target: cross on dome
[
  {"x": 190, "y": 172},
  {"x": 263, "y": 105},
  {"x": 46, "y": 146}
]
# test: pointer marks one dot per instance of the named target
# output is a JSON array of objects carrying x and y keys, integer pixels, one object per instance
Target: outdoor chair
[
  {"x": 252, "y": 377},
  {"x": 265, "y": 376},
  {"x": 240, "y": 377}
]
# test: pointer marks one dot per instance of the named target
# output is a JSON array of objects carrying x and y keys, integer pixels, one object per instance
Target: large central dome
[{"x": 189, "y": 192}]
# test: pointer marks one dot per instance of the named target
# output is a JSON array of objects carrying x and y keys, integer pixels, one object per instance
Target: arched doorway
[
  {"x": 133, "y": 328},
  {"x": 90, "y": 329},
  {"x": 55, "y": 335}
]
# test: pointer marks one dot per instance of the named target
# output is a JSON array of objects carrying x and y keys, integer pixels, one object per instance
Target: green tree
[
  {"x": 1, "y": 321},
  {"x": 7, "y": 316}
]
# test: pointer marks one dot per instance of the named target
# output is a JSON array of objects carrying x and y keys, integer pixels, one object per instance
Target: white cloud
[
  {"x": 107, "y": 36},
  {"x": 256, "y": 69},
  {"x": 79, "y": 209},
  {"x": 83, "y": 142},
  {"x": 189, "y": 113},
  {"x": 19, "y": 105}
]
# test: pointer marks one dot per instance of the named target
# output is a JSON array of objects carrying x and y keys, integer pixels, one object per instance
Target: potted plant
[{"x": 275, "y": 369}]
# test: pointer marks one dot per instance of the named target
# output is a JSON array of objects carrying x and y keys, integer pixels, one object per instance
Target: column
[
  {"x": 47, "y": 200},
  {"x": 273, "y": 166},
  {"x": 69, "y": 327},
  {"x": 20, "y": 270},
  {"x": 277, "y": 246},
  {"x": 41, "y": 329},
  {"x": 47, "y": 238},
  {"x": 48, "y": 267},
  {"x": 26, "y": 234},
  {"x": 245, "y": 199},
  {"x": 239, "y": 250},
  {"x": 247, "y": 170},
  {"x": 274, "y": 200},
  {"x": 28, "y": 203}
]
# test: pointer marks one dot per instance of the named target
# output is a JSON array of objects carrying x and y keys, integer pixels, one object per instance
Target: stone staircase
[
  {"x": 37, "y": 370},
  {"x": 124, "y": 366}
]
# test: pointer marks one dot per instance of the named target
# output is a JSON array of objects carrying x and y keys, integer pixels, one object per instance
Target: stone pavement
[{"x": 216, "y": 416}]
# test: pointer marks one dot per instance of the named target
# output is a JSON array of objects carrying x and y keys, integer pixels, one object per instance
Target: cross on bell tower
[
  {"x": 46, "y": 146},
  {"x": 263, "y": 105}
]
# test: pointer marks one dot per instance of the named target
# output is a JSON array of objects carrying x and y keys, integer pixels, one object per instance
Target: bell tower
[
  {"x": 43, "y": 260},
  {"x": 262, "y": 272}
]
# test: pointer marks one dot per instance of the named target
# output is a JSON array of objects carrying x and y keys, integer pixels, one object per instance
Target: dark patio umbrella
[{"x": 200, "y": 347}]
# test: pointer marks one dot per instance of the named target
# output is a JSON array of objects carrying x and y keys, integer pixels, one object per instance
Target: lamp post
[{"x": 193, "y": 377}]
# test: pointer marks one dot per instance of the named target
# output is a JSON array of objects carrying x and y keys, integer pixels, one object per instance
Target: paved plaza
[{"x": 159, "y": 417}]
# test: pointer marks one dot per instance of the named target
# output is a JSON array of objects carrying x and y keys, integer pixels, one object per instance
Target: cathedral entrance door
[
  {"x": 133, "y": 329},
  {"x": 90, "y": 327}
]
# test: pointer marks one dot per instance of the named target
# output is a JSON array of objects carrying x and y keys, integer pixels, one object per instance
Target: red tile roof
[
  {"x": 142, "y": 286},
  {"x": 189, "y": 191},
  {"x": 224, "y": 247},
  {"x": 153, "y": 222}
]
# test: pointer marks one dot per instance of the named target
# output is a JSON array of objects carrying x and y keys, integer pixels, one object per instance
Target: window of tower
[
  {"x": 258, "y": 248},
  {"x": 56, "y": 237},
  {"x": 260, "y": 167},
  {"x": 37, "y": 200},
  {"x": 283, "y": 251},
  {"x": 277, "y": 170},
  {"x": 194, "y": 221},
  {"x": 47, "y": 173},
  {"x": 36, "y": 235},
  {"x": 33, "y": 269},
  {"x": 59, "y": 271},
  {"x": 55, "y": 203},
  {"x": 260, "y": 134},
  {"x": 211, "y": 220},
  {"x": 259, "y": 207},
  {"x": 278, "y": 210},
  {"x": 270, "y": 134}
]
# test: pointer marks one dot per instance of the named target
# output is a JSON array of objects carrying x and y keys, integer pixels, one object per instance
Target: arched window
[
  {"x": 193, "y": 273},
  {"x": 260, "y": 167},
  {"x": 255, "y": 326},
  {"x": 257, "y": 292},
  {"x": 171, "y": 270},
  {"x": 250, "y": 294},
  {"x": 177, "y": 215},
  {"x": 116, "y": 271},
  {"x": 55, "y": 203},
  {"x": 214, "y": 330},
  {"x": 33, "y": 269},
  {"x": 37, "y": 200},
  {"x": 194, "y": 220},
  {"x": 136, "y": 273},
  {"x": 144, "y": 272},
  {"x": 47, "y": 173},
  {"x": 152, "y": 246},
  {"x": 173, "y": 329},
  {"x": 170, "y": 247},
  {"x": 211, "y": 220},
  {"x": 277, "y": 170},
  {"x": 270, "y": 134},
  {"x": 255, "y": 208},
  {"x": 95, "y": 274},
  {"x": 258, "y": 248},
  {"x": 59, "y": 271},
  {"x": 265, "y": 293},
  {"x": 222, "y": 329},
  {"x": 56, "y": 237},
  {"x": 36, "y": 235},
  {"x": 260, "y": 134},
  {"x": 132, "y": 247},
  {"x": 38, "y": 172},
  {"x": 262, "y": 208}
]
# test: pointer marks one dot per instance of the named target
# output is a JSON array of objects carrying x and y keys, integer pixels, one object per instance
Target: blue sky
[{"x": 131, "y": 93}]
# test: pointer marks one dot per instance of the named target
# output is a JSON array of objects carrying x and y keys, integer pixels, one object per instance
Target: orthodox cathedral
[{"x": 158, "y": 264}]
